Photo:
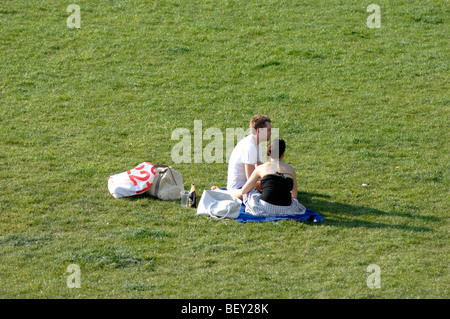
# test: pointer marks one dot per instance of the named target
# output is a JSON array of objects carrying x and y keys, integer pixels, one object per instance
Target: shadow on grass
[{"x": 344, "y": 215}]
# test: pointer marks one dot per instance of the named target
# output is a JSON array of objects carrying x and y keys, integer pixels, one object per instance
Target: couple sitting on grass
[{"x": 267, "y": 189}]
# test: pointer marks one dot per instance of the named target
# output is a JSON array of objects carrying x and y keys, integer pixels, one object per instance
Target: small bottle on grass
[{"x": 192, "y": 197}]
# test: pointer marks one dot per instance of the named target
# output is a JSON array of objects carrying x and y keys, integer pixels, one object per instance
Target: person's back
[
  {"x": 276, "y": 189},
  {"x": 277, "y": 182}
]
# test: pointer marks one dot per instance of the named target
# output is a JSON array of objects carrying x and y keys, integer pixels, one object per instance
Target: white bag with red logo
[{"x": 133, "y": 182}]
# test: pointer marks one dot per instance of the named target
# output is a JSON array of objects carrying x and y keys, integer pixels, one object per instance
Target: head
[
  {"x": 276, "y": 149},
  {"x": 261, "y": 126}
]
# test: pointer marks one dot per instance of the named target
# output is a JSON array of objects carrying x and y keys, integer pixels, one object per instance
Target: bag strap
[
  {"x": 167, "y": 168},
  {"x": 219, "y": 217},
  {"x": 157, "y": 182},
  {"x": 161, "y": 166}
]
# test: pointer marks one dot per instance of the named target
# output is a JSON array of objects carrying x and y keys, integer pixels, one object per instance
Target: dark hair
[
  {"x": 259, "y": 121},
  {"x": 278, "y": 146}
]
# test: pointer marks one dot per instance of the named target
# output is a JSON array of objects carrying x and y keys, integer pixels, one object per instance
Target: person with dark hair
[
  {"x": 278, "y": 195},
  {"x": 247, "y": 154}
]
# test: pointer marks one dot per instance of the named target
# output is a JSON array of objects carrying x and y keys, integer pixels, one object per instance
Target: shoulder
[
  {"x": 248, "y": 139},
  {"x": 264, "y": 169},
  {"x": 246, "y": 143},
  {"x": 288, "y": 168}
]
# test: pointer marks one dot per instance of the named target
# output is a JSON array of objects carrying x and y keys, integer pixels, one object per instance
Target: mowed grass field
[{"x": 364, "y": 112}]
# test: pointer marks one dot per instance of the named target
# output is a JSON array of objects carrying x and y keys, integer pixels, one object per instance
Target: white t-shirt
[{"x": 245, "y": 152}]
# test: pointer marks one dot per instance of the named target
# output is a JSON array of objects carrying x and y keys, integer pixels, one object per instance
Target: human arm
[
  {"x": 294, "y": 187},
  {"x": 251, "y": 158},
  {"x": 249, "y": 169},
  {"x": 249, "y": 185}
]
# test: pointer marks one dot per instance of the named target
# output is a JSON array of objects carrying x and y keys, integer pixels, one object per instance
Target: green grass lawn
[{"x": 355, "y": 105}]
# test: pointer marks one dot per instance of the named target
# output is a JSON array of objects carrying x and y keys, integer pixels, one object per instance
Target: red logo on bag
[{"x": 144, "y": 176}]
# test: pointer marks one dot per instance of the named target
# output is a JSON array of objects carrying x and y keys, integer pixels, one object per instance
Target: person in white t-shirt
[{"x": 247, "y": 154}]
